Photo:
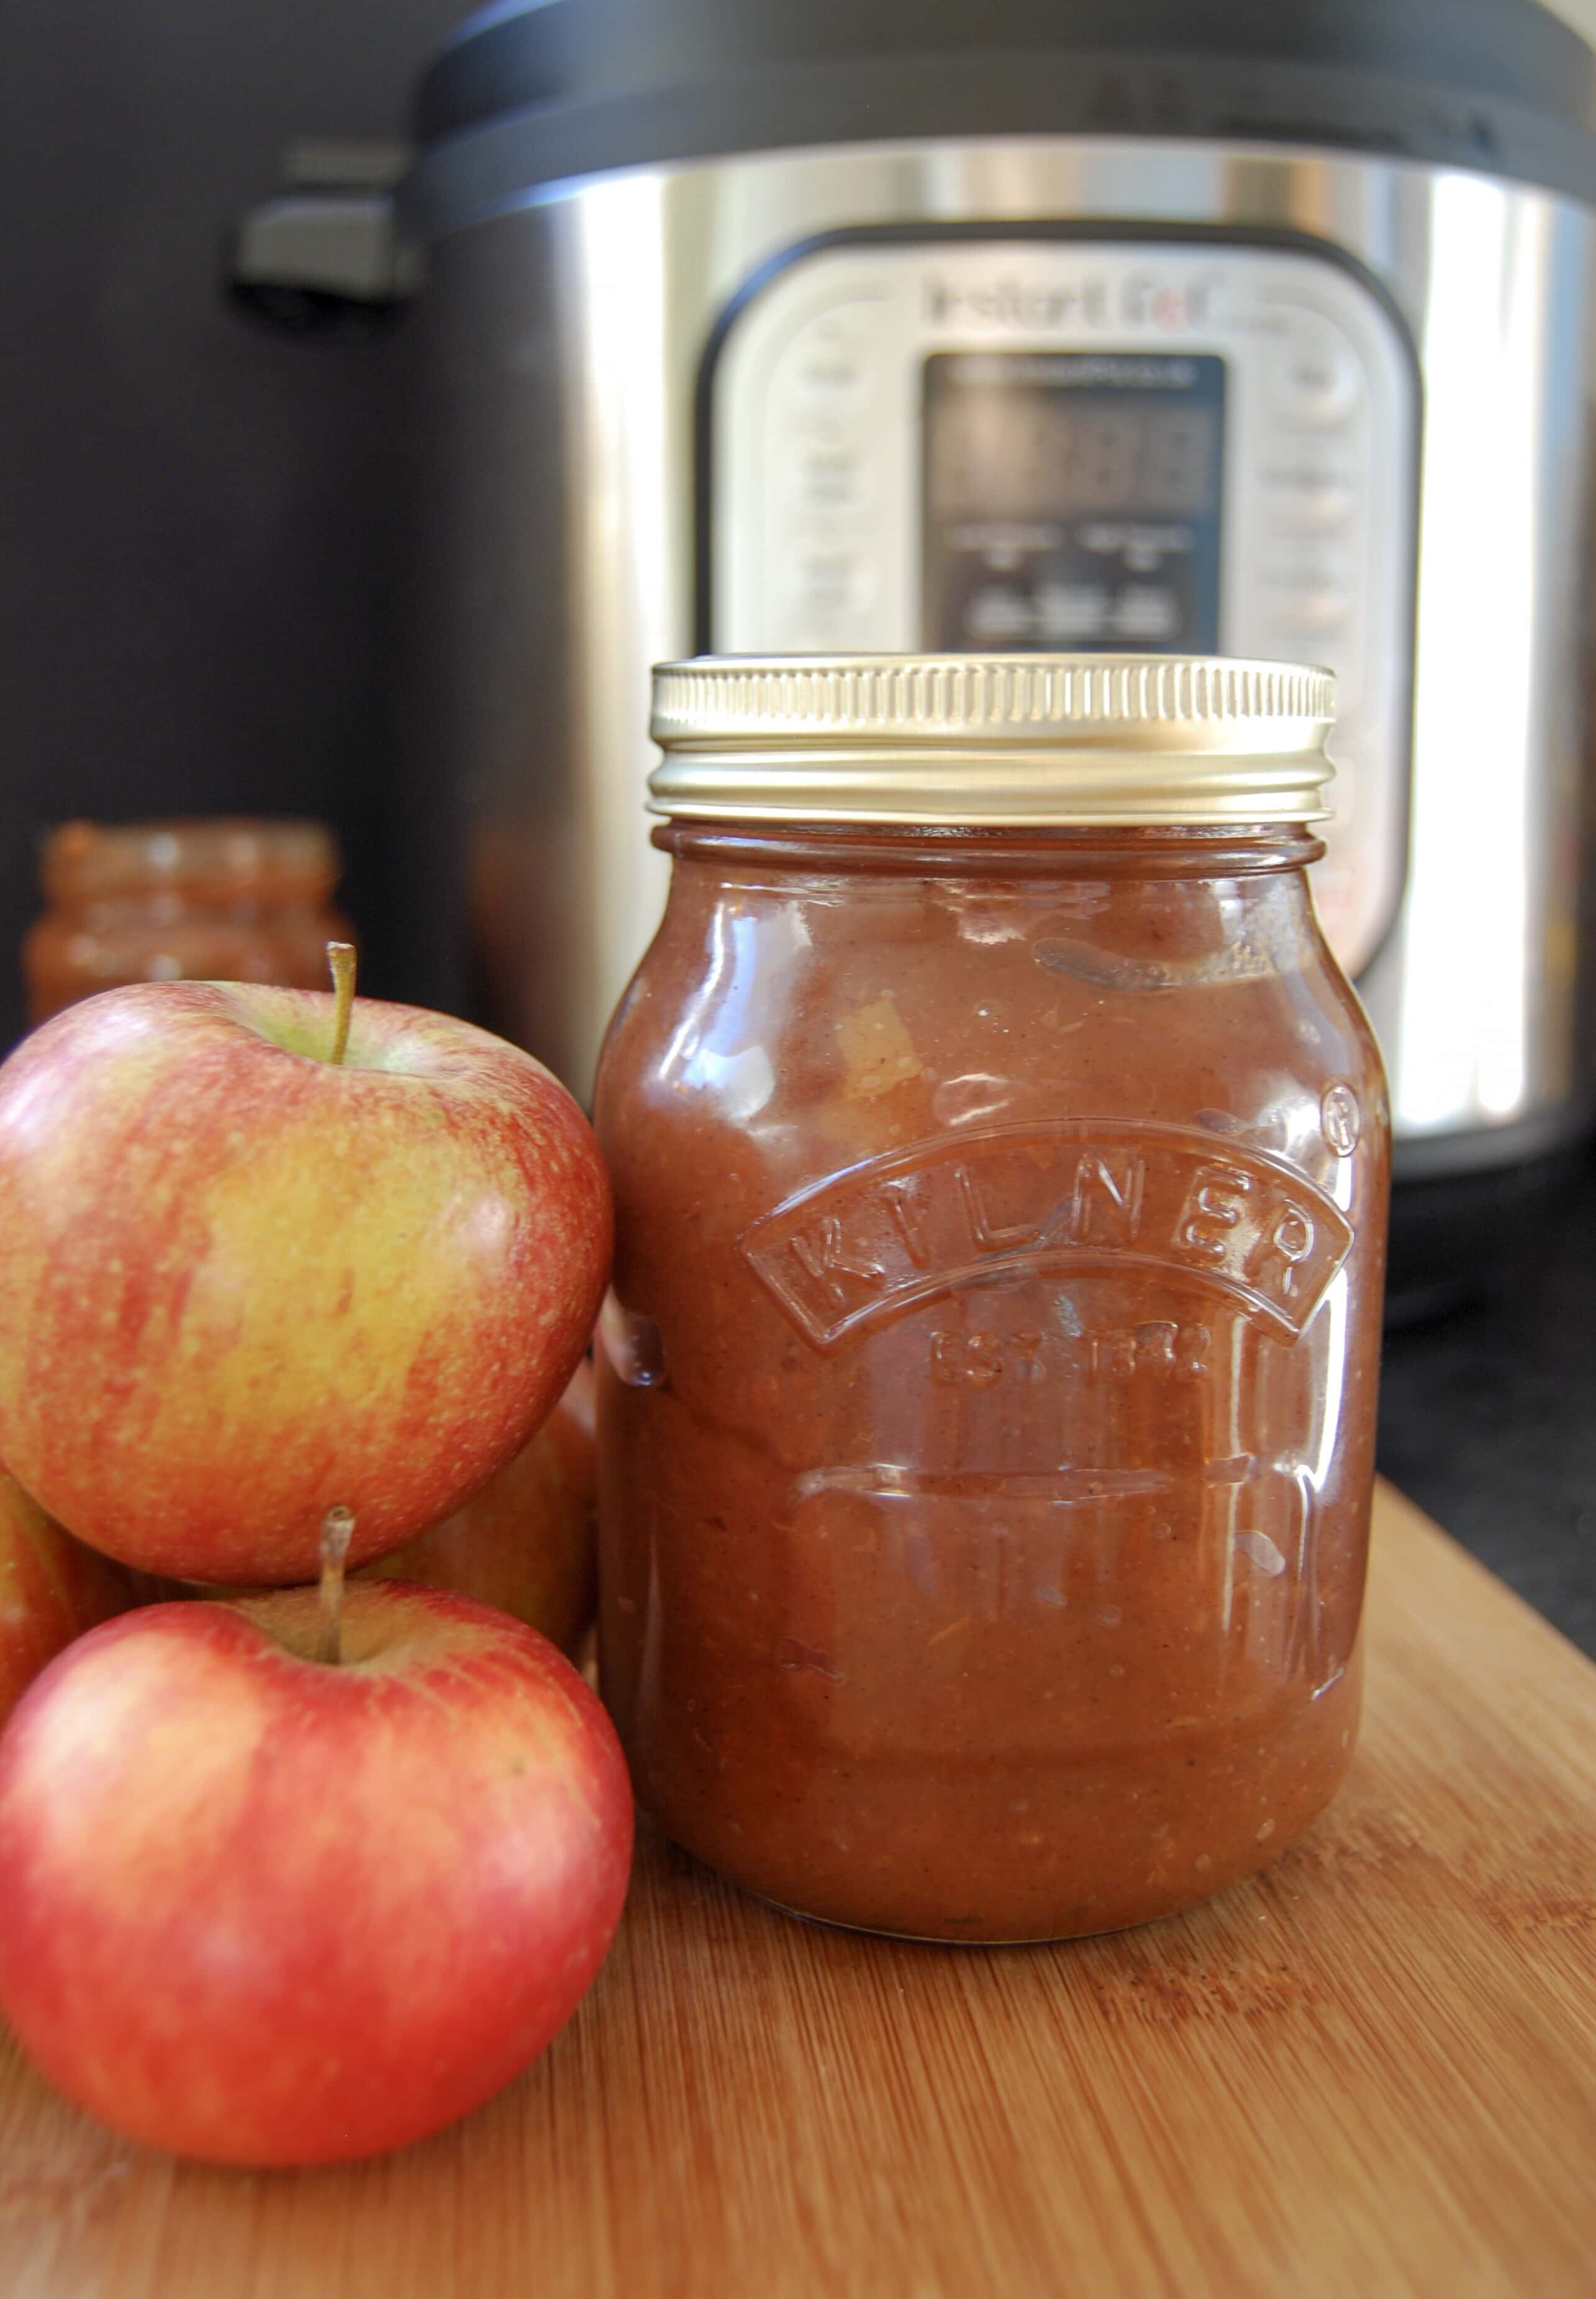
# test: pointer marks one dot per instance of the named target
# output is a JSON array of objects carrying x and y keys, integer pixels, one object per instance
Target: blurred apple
[
  {"x": 245, "y": 1282},
  {"x": 525, "y": 1541},
  {"x": 265, "y": 1909},
  {"x": 52, "y": 1588}
]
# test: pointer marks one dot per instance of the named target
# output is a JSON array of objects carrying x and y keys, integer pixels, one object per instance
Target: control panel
[{"x": 1008, "y": 446}]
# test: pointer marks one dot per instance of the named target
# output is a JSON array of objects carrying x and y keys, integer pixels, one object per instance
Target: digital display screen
[
  {"x": 1072, "y": 499},
  {"x": 996, "y": 459}
]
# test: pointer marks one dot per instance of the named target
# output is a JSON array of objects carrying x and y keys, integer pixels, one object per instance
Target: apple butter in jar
[
  {"x": 182, "y": 901},
  {"x": 988, "y": 1383}
]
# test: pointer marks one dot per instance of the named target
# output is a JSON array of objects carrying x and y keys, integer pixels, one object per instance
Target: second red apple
[{"x": 264, "y": 1909}]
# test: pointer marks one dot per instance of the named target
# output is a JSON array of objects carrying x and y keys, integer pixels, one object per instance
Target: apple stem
[
  {"x": 340, "y": 957},
  {"x": 337, "y": 1530}
]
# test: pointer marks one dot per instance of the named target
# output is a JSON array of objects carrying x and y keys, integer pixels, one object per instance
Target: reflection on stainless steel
[
  {"x": 1481, "y": 1023},
  {"x": 572, "y": 331}
]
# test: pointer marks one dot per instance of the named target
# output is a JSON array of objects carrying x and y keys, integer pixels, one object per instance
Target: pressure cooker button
[
  {"x": 1308, "y": 600},
  {"x": 1304, "y": 500},
  {"x": 829, "y": 370},
  {"x": 830, "y": 579},
  {"x": 830, "y": 474},
  {"x": 1318, "y": 380}
]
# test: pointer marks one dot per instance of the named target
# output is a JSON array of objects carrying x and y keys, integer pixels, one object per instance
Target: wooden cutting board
[{"x": 1370, "y": 2072}]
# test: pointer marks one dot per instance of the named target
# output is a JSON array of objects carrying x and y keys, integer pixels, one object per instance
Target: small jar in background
[{"x": 182, "y": 901}]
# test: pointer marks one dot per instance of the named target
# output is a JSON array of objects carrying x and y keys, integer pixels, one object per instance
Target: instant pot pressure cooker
[{"x": 1185, "y": 324}]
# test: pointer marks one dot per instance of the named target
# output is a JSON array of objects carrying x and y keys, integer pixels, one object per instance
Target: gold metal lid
[{"x": 1027, "y": 739}]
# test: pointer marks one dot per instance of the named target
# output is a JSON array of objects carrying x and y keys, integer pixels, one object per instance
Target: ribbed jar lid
[{"x": 987, "y": 740}]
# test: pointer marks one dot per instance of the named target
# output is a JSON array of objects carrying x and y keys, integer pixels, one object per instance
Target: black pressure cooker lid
[{"x": 531, "y": 91}]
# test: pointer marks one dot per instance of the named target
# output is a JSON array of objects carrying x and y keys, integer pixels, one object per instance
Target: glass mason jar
[
  {"x": 987, "y": 1395},
  {"x": 182, "y": 901}
]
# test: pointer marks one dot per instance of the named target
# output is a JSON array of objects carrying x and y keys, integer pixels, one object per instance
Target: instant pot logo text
[
  {"x": 1013, "y": 1202},
  {"x": 1135, "y": 299}
]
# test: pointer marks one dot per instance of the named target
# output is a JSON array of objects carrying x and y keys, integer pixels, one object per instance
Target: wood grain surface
[{"x": 1370, "y": 2072}]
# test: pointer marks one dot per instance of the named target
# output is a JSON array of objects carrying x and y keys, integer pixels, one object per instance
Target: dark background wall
[{"x": 201, "y": 526}]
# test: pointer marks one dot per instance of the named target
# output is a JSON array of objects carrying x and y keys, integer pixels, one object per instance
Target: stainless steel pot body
[{"x": 617, "y": 369}]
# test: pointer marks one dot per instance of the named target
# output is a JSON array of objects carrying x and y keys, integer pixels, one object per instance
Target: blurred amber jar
[{"x": 182, "y": 901}]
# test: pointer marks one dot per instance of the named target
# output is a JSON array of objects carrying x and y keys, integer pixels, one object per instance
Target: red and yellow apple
[
  {"x": 52, "y": 1588},
  {"x": 525, "y": 1540},
  {"x": 261, "y": 1909},
  {"x": 246, "y": 1284}
]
